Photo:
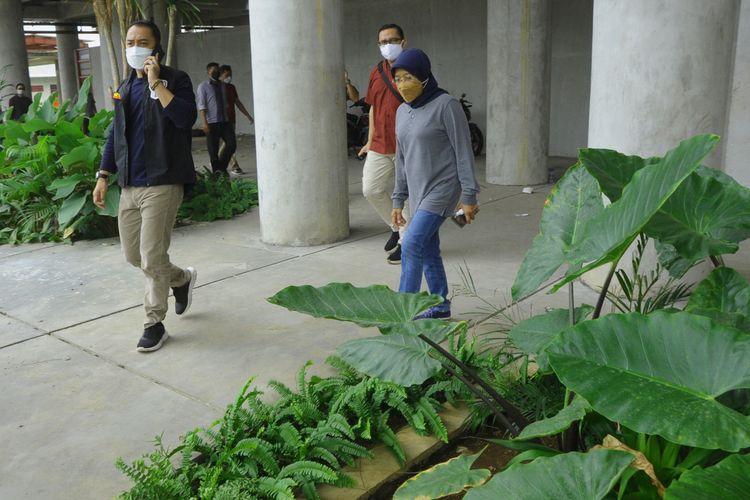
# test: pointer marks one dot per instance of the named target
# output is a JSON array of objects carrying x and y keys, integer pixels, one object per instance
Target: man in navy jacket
[{"x": 148, "y": 148}]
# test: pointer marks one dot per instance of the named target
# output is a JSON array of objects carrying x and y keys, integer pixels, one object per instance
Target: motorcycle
[
  {"x": 477, "y": 137},
  {"x": 357, "y": 128}
]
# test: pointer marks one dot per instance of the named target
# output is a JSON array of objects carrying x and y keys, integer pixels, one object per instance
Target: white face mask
[
  {"x": 136, "y": 56},
  {"x": 391, "y": 51},
  {"x": 228, "y": 79},
  {"x": 19, "y": 92}
]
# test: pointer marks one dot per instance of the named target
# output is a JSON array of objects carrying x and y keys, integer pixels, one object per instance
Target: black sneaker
[
  {"x": 395, "y": 257},
  {"x": 183, "y": 295},
  {"x": 153, "y": 338},
  {"x": 392, "y": 241},
  {"x": 434, "y": 313},
  {"x": 237, "y": 170}
]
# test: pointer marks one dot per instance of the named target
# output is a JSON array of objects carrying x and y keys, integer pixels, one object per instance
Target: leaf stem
[{"x": 605, "y": 287}]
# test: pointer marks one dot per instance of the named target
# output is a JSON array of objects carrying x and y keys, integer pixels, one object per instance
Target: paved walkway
[{"x": 75, "y": 393}]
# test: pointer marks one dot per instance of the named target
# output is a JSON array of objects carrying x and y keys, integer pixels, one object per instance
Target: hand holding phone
[{"x": 459, "y": 218}]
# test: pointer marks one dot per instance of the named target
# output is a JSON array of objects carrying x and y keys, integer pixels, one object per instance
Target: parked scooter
[
  {"x": 477, "y": 137},
  {"x": 357, "y": 128}
]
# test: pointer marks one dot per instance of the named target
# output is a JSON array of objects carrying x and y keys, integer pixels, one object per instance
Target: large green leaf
[
  {"x": 85, "y": 154},
  {"x": 402, "y": 358},
  {"x": 37, "y": 125},
  {"x": 68, "y": 135},
  {"x": 533, "y": 335},
  {"x": 727, "y": 480},
  {"x": 573, "y": 200},
  {"x": 612, "y": 169},
  {"x": 375, "y": 305},
  {"x": 724, "y": 296},
  {"x": 660, "y": 374},
  {"x": 709, "y": 214},
  {"x": 555, "y": 425},
  {"x": 607, "y": 236},
  {"x": 70, "y": 207},
  {"x": 584, "y": 476},
  {"x": 63, "y": 186},
  {"x": 443, "y": 479}
]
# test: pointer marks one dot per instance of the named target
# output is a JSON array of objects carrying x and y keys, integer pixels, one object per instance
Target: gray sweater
[{"x": 434, "y": 161}]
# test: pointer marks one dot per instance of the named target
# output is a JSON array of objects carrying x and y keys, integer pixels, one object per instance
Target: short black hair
[
  {"x": 151, "y": 25},
  {"x": 154, "y": 31},
  {"x": 209, "y": 65},
  {"x": 392, "y": 26},
  {"x": 224, "y": 67},
  {"x": 21, "y": 84}
]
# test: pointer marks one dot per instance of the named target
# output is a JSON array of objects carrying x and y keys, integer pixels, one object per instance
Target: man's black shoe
[
  {"x": 153, "y": 338},
  {"x": 183, "y": 295},
  {"x": 392, "y": 241},
  {"x": 395, "y": 257}
]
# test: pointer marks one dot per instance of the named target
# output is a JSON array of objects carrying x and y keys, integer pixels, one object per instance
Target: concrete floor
[{"x": 76, "y": 395}]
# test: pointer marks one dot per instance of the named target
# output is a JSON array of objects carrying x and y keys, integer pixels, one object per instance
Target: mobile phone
[{"x": 459, "y": 218}]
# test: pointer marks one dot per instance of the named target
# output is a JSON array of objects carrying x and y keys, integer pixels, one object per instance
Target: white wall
[
  {"x": 570, "y": 75},
  {"x": 224, "y": 46},
  {"x": 737, "y": 137},
  {"x": 453, "y": 34}
]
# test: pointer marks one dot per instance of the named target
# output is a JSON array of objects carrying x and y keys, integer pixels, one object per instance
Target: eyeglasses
[
  {"x": 404, "y": 79},
  {"x": 388, "y": 42}
]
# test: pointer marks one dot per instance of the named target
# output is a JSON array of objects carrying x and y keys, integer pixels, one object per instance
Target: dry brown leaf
[{"x": 641, "y": 462}]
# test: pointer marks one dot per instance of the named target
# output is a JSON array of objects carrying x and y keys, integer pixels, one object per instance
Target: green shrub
[
  {"x": 47, "y": 173},
  {"x": 215, "y": 197}
]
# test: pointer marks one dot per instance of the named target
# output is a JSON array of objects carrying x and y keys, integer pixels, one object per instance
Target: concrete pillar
[
  {"x": 660, "y": 72},
  {"x": 67, "y": 43},
  {"x": 737, "y": 143},
  {"x": 299, "y": 120},
  {"x": 13, "y": 57},
  {"x": 517, "y": 91}
]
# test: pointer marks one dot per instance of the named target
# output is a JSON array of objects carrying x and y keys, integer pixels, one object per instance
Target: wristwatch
[{"x": 102, "y": 174}]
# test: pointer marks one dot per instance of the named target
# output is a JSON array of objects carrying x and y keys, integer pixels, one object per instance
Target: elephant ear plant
[
  {"x": 668, "y": 392},
  {"x": 47, "y": 171}
]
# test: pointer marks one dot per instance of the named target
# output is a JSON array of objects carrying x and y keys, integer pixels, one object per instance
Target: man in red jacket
[{"x": 378, "y": 175}]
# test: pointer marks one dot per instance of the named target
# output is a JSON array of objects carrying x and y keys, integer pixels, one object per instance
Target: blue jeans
[{"x": 420, "y": 253}]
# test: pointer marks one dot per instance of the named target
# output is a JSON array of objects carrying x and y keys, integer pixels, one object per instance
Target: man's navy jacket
[{"x": 167, "y": 133}]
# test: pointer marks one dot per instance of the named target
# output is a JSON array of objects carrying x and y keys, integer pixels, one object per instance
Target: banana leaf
[
  {"x": 568, "y": 476},
  {"x": 660, "y": 374}
]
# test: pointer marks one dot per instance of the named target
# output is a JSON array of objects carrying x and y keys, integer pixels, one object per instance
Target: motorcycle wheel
[{"x": 477, "y": 139}]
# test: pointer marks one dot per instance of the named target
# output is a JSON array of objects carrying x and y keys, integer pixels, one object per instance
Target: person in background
[
  {"x": 148, "y": 148},
  {"x": 352, "y": 94},
  {"x": 434, "y": 170},
  {"x": 379, "y": 169},
  {"x": 233, "y": 99},
  {"x": 20, "y": 102},
  {"x": 214, "y": 112}
]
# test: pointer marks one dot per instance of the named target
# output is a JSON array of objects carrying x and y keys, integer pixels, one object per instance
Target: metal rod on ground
[
  {"x": 489, "y": 402},
  {"x": 511, "y": 410}
]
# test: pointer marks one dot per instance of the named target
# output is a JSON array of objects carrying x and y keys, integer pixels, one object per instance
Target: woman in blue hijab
[{"x": 434, "y": 170}]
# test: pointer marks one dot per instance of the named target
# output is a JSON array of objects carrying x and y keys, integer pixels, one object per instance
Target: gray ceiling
[{"x": 213, "y": 13}]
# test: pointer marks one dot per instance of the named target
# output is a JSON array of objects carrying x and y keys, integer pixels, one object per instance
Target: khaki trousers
[
  {"x": 378, "y": 180},
  {"x": 145, "y": 220}
]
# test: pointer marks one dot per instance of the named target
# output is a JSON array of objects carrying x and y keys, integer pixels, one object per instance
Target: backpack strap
[{"x": 388, "y": 82}]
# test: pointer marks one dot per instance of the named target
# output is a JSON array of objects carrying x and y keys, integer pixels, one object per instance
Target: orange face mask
[{"x": 410, "y": 89}]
